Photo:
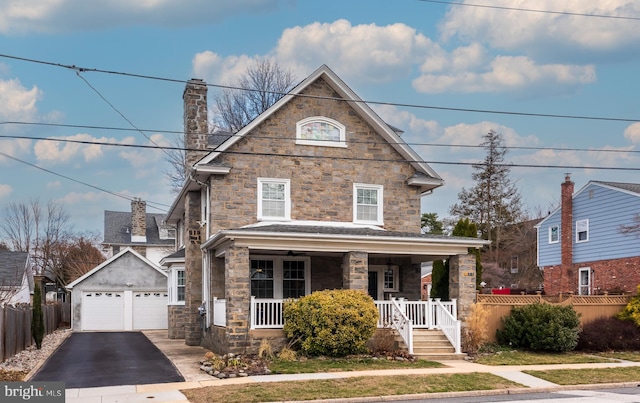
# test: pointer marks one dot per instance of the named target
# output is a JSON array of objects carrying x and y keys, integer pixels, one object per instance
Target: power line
[
  {"x": 322, "y": 157},
  {"x": 530, "y": 10},
  {"x": 177, "y": 148},
  {"x": 404, "y": 105}
]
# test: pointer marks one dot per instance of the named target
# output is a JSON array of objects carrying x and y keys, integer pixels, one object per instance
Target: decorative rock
[{"x": 243, "y": 374}]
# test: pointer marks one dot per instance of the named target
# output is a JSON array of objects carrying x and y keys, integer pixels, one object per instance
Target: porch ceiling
[{"x": 278, "y": 237}]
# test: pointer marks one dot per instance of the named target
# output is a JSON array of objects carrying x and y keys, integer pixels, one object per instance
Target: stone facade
[
  {"x": 177, "y": 321},
  {"x": 462, "y": 282},
  {"x": 193, "y": 270},
  {"x": 196, "y": 125},
  {"x": 355, "y": 271}
]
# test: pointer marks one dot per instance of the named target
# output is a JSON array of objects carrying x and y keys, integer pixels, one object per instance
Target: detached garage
[{"x": 126, "y": 292}]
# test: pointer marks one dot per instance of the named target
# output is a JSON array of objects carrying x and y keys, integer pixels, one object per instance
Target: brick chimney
[
  {"x": 566, "y": 233},
  {"x": 196, "y": 125},
  {"x": 138, "y": 220}
]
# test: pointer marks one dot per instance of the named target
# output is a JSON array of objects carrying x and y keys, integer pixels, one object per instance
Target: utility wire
[
  {"x": 177, "y": 148},
  {"x": 530, "y": 10},
  {"x": 404, "y": 105}
]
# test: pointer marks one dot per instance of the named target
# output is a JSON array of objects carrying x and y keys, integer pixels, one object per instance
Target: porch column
[
  {"x": 238, "y": 296},
  {"x": 355, "y": 271},
  {"x": 462, "y": 282},
  {"x": 192, "y": 270}
]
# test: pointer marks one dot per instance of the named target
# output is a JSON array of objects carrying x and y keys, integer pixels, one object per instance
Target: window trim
[
  {"x": 380, "y": 210},
  {"x": 173, "y": 285},
  {"x": 324, "y": 143},
  {"x": 380, "y": 269},
  {"x": 514, "y": 268},
  {"x": 287, "y": 199},
  {"x": 580, "y": 223},
  {"x": 557, "y": 227},
  {"x": 278, "y": 272}
]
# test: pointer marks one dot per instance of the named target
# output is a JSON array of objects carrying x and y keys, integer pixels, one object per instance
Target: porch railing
[
  {"x": 267, "y": 313},
  {"x": 449, "y": 325},
  {"x": 423, "y": 314},
  {"x": 403, "y": 325}
]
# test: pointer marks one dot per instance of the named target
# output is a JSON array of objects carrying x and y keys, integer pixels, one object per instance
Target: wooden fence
[
  {"x": 15, "y": 326},
  {"x": 590, "y": 307}
]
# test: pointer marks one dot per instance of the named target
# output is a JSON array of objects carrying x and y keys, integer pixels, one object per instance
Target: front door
[
  {"x": 584, "y": 281},
  {"x": 373, "y": 284}
]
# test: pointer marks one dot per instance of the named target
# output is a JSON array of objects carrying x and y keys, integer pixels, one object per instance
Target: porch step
[{"x": 432, "y": 344}]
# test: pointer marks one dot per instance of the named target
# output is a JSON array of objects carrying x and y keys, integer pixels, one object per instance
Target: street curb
[{"x": 495, "y": 392}]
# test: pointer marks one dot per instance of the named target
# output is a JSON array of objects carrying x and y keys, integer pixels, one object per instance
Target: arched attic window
[{"x": 320, "y": 131}]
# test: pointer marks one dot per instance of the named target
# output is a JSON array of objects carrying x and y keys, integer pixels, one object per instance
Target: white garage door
[
  {"x": 124, "y": 310},
  {"x": 103, "y": 310},
  {"x": 149, "y": 310}
]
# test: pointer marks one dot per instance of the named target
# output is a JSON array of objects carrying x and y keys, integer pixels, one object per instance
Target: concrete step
[{"x": 440, "y": 357}]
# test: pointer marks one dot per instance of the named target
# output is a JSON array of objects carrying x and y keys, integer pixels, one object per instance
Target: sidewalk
[{"x": 184, "y": 358}]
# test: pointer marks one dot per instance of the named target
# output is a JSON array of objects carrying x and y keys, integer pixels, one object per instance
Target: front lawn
[{"x": 312, "y": 365}]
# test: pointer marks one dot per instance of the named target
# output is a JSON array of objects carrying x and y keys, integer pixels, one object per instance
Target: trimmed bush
[
  {"x": 631, "y": 312},
  {"x": 332, "y": 322},
  {"x": 609, "y": 334},
  {"x": 37, "y": 319},
  {"x": 541, "y": 327}
]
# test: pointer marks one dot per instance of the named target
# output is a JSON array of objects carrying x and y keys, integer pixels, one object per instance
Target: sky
[{"x": 558, "y": 80}]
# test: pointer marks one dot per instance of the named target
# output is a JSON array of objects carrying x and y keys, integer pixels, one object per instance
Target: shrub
[
  {"x": 609, "y": 334},
  {"x": 383, "y": 341},
  {"x": 37, "y": 319},
  {"x": 475, "y": 332},
  {"x": 541, "y": 327},
  {"x": 331, "y": 322},
  {"x": 631, "y": 312}
]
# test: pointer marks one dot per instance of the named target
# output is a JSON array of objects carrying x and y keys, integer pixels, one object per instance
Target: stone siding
[
  {"x": 193, "y": 270},
  {"x": 462, "y": 283},
  {"x": 355, "y": 271},
  {"x": 321, "y": 187},
  {"x": 177, "y": 321}
]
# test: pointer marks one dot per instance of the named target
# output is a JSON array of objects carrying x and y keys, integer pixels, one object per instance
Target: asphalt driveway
[{"x": 87, "y": 360}]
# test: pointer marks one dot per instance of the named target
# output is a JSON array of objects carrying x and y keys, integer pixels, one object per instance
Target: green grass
[
  {"x": 345, "y": 364},
  {"x": 515, "y": 357},
  {"x": 621, "y": 355},
  {"x": 348, "y": 388},
  {"x": 588, "y": 376}
]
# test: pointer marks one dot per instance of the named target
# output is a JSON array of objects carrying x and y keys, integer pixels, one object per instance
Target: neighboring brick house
[
  {"x": 146, "y": 233},
  {"x": 315, "y": 193},
  {"x": 581, "y": 246}
]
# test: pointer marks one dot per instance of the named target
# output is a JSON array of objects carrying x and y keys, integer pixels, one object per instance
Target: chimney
[
  {"x": 196, "y": 125},
  {"x": 138, "y": 220},
  {"x": 566, "y": 232}
]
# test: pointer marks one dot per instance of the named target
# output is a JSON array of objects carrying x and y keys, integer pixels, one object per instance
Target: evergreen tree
[
  {"x": 430, "y": 224},
  {"x": 494, "y": 201},
  {"x": 440, "y": 280},
  {"x": 37, "y": 320}
]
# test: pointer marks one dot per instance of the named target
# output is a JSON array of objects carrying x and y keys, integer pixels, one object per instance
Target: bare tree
[
  {"x": 261, "y": 85},
  {"x": 78, "y": 256},
  {"x": 29, "y": 228}
]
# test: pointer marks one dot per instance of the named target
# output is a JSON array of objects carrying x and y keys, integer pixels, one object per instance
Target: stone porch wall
[{"x": 177, "y": 321}]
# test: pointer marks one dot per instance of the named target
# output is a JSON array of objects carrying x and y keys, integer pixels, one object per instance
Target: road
[{"x": 628, "y": 395}]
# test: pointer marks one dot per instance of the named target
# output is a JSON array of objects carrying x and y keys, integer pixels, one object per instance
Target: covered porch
[{"x": 250, "y": 272}]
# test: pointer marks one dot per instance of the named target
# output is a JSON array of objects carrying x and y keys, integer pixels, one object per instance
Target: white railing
[
  {"x": 267, "y": 313},
  {"x": 448, "y": 323},
  {"x": 402, "y": 324},
  {"x": 219, "y": 312}
]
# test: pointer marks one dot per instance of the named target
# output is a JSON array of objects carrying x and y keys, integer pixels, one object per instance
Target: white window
[
  {"x": 584, "y": 281},
  {"x": 320, "y": 131},
  {"x": 554, "y": 234},
  {"x": 177, "y": 283},
  {"x": 582, "y": 231},
  {"x": 280, "y": 277},
  {"x": 274, "y": 200},
  {"x": 367, "y": 204},
  {"x": 514, "y": 264},
  {"x": 383, "y": 279}
]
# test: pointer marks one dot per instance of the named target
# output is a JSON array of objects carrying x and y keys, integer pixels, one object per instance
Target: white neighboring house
[{"x": 16, "y": 278}]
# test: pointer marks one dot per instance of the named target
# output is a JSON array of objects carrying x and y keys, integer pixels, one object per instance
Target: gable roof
[
  {"x": 113, "y": 258},
  {"x": 390, "y": 134},
  {"x": 117, "y": 228},
  {"x": 624, "y": 187},
  {"x": 12, "y": 267}
]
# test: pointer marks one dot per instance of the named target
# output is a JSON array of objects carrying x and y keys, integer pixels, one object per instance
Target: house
[
  {"x": 16, "y": 278},
  {"x": 582, "y": 247},
  {"x": 125, "y": 292},
  {"x": 144, "y": 232},
  {"x": 315, "y": 193}
]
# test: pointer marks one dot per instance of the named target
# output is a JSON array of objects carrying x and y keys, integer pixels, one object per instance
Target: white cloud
[
  {"x": 54, "y": 185},
  {"x": 632, "y": 133},
  {"x": 14, "y": 148},
  {"x": 75, "y": 15},
  {"x": 360, "y": 53},
  {"x": 5, "y": 190},
  {"x": 17, "y": 102},
  {"x": 407, "y": 121},
  {"x": 555, "y": 34},
  {"x": 142, "y": 159},
  {"x": 505, "y": 73},
  {"x": 62, "y": 152}
]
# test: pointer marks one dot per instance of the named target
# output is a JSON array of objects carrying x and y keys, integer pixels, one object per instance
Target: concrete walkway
[{"x": 185, "y": 358}]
